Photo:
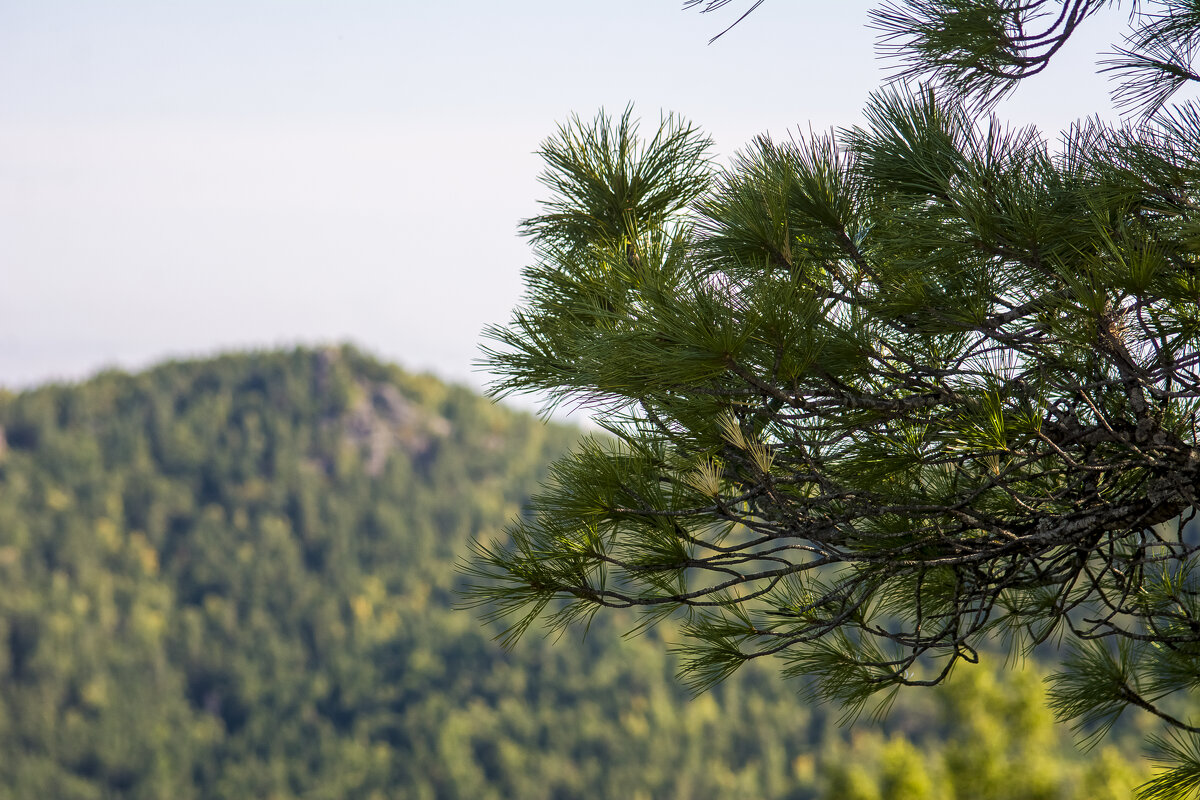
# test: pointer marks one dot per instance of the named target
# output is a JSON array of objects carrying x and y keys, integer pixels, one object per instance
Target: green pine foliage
[
  {"x": 980, "y": 50},
  {"x": 876, "y": 399}
]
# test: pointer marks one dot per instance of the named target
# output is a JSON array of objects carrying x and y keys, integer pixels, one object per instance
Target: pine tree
[{"x": 878, "y": 397}]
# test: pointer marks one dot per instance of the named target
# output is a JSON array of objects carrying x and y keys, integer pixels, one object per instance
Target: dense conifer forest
[{"x": 237, "y": 577}]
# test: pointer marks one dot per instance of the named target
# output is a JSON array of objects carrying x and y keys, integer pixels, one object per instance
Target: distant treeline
[{"x": 234, "y": 578}]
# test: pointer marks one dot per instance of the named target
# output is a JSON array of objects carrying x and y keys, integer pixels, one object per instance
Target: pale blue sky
[{"x": 178, "y": 178}]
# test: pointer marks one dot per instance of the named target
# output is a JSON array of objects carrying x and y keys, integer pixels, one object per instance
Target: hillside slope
[{"x": 234, "y": 578}]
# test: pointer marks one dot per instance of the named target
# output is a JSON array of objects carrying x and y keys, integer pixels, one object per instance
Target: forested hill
[{"x": 233, "y": 578}]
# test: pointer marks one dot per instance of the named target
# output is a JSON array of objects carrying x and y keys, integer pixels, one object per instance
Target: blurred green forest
[{"x": 234, "y": 578}]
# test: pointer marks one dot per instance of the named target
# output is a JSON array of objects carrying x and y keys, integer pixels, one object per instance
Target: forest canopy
[{"x": 235, "y": 578}]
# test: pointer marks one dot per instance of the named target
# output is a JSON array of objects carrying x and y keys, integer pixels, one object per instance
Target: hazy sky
[{"x": 178, "y": 178}]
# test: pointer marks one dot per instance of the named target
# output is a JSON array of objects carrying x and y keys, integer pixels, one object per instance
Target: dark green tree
[{"x": 878, "y": 397}]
